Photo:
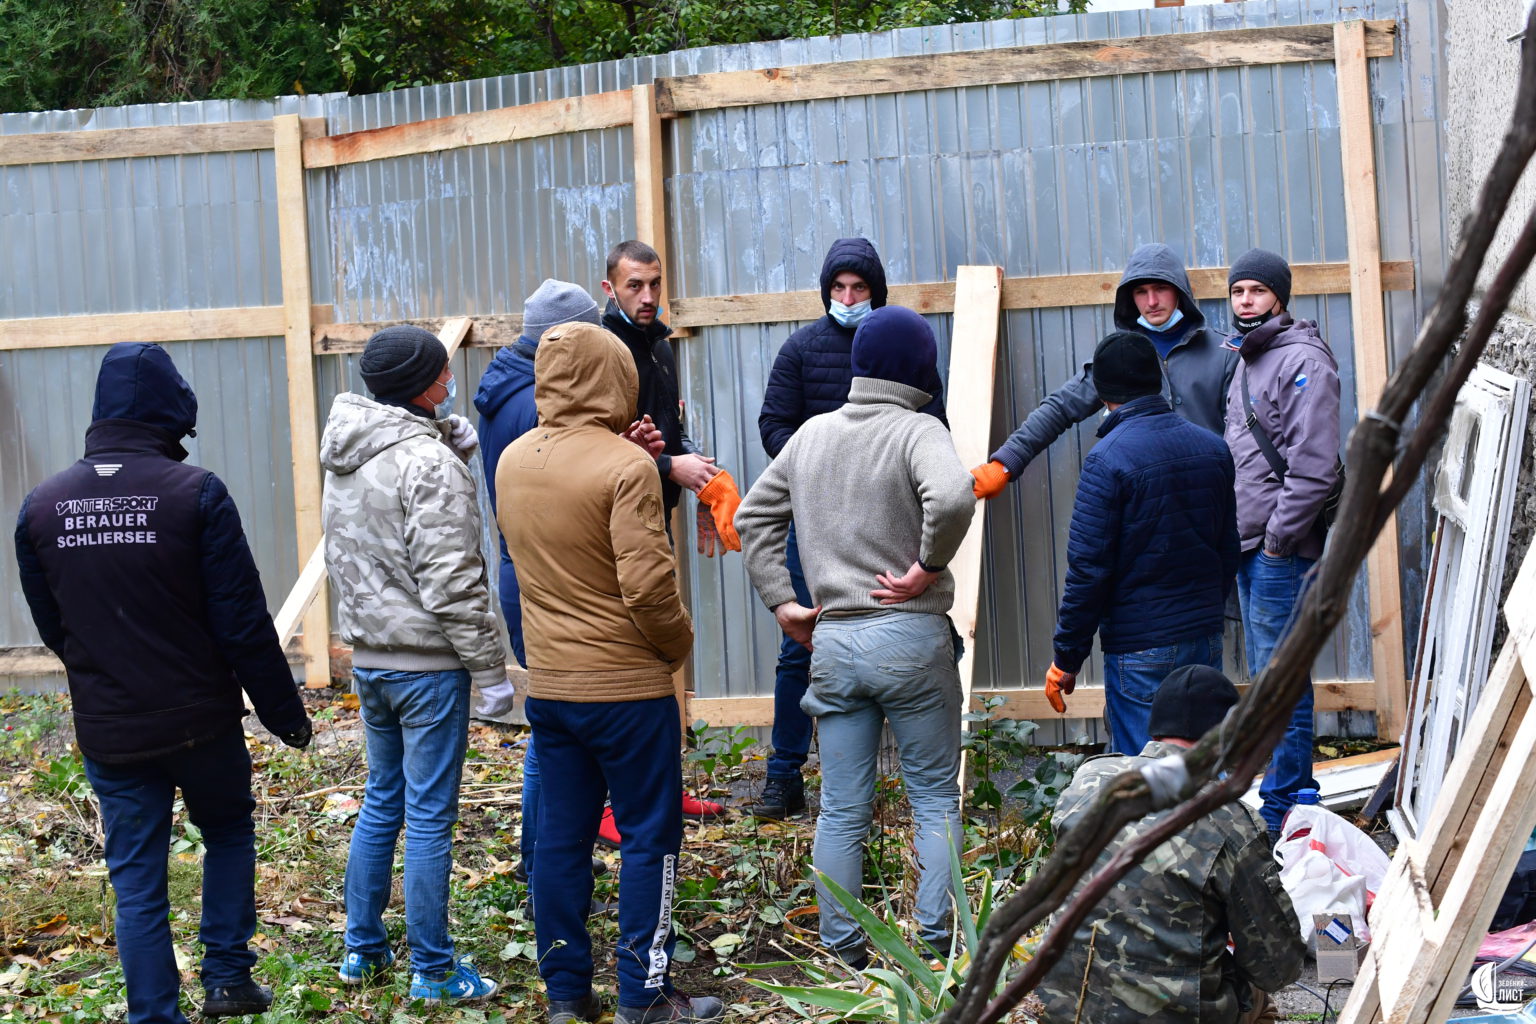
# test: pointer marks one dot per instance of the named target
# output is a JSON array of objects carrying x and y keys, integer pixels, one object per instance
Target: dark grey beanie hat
[
  {"x": 557, "y": 302},
  {"x": 1126, "y": 367},
  {"x": 401, "y": 362},
  {"x": 1265, "y": 267},
  {"x": 1191, "y": 701}
]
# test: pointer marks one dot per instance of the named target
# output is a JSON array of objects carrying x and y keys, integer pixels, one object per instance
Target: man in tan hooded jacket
[{"x": 605, "y": 626}]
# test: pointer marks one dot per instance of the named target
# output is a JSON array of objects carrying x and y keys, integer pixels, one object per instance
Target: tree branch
[{"x": 1244, "y": 741}]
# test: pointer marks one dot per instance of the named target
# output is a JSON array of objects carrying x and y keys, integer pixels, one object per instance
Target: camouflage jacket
[
  {"x": 402, "y": 543},
  {"x": 1160, "y": 952}
]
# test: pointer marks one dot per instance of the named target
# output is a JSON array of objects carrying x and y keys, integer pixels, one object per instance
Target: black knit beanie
[
  {"x": 1265, "y": 267},
  {"x": 1190, "y": 703},
  {"x": 895, "y": 343},
  {"x": 401, "y": 362},
  {"x": 1125, "y": 366}
]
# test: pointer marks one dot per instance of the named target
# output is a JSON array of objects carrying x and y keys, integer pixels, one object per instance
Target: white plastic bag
[{"x": 1328, "y": 866}]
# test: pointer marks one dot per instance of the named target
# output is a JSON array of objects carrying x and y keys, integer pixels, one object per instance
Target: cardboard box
[{"x": 1340, "y": 950}]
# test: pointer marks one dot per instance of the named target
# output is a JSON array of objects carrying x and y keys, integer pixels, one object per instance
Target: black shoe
[
  {"x": 782, "y": 798},
  {"x": 568, "y": 1011},
  {"x": 855, "y": 955},
  {"x": 674, "y": 1009},
  {"x": 236, "y": 1000}
]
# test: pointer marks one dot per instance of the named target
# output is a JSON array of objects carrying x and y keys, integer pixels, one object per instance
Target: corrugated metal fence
[{"x": 1042, "y": 178}]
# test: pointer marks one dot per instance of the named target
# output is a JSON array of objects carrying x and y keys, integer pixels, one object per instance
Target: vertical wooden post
[
  {"x": 303, "y": 428},
  {"x": 968, "y": 403},
  {"x": 650, "y": 182},
  {"x": 1363, "y": 228}
]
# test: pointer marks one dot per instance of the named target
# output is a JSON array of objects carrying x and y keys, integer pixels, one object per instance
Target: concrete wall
[{"x": 1482, "y": 70}]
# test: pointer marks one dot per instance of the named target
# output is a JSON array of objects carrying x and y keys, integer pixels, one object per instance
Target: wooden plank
[
  {"x": 156, "y": 326},
  {"x": 1046, "y": 292},
  {"x": 301, "y": 596},
  {"x": 650, "y": 190},
  {"x": 487, "y": 331},
  {"x": 1363, "y": 228},
  {"x": 1280, "y": 44},
  {"x": 481, "y": 128},
  {"x": 1087, "y": 702},
  {"x": 34, "y": 660},
  {"x": 968, "y": 400},
  {"x": 453, "y": 332},
  {"x": 303, "y": 425},
  {"x": 156, "y": 140}
]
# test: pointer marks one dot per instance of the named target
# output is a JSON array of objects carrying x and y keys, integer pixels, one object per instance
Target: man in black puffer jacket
[
  {"x": 812, "y": 375},
  {"x": 139, "y": 578}
]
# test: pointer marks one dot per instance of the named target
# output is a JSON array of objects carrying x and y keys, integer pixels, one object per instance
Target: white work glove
[
  {"x": 461, "y": 434},
  {"x": 493, "y": 695}
]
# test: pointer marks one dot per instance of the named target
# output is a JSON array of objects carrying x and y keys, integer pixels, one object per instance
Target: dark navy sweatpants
[{"x": 629, "y": 751}]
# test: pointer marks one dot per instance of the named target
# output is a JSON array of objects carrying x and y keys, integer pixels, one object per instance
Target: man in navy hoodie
[
  {"x": 1154, "y": 300},
  {"x": 812, "y": 375},
  {"x": 139, "y": 578},
  {"x": 1152, "y": 550}
]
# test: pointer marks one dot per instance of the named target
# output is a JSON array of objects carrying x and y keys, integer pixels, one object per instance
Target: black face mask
[{"x": 1246, "y": 324}]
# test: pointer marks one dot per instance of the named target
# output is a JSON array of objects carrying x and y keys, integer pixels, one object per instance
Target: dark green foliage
[{"x": 61, "y": 54}]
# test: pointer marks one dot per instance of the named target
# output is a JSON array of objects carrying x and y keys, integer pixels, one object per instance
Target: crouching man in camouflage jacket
[{"x": 1156, "y": 947}]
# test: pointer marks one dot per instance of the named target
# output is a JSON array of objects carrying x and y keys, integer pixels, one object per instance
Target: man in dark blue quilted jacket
[
  {"x": 1152, "y": 550},
  {"x": 812, "y": 375}
]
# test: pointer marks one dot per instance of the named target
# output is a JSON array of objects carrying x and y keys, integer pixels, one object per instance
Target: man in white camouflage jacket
[{"x": 402, "y": 544}]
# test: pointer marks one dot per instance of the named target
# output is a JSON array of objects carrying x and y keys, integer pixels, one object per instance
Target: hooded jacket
[
  {"x": 507, "y": 411},
  {"x": 139, "y": 578},
  {"x": 814, "y": 370},
  {"x": 1293, "y": 382},
  {"x": 583, "y": 518},
  {"x": 402, "y": 544},
  {"x": 911, "y": 500},
  {"x": 660, "y": 394},
  {"x": 1152, "y": 551},
  {"x": 1196, "y": 372}
]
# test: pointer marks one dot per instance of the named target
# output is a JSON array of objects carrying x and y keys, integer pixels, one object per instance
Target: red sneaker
[
  {"x": 701, "y": 810},
  {"x": 608, "y": 830}
]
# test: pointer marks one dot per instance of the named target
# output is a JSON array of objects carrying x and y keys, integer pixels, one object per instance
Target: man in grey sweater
[{"x": 881, "y": 502}]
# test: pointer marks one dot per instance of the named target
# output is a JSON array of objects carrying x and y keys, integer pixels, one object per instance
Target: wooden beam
[
  {"x": 1279, "y": 44},
  {"x": 481, "y": 128},
  {"x": 1363, "y": 230},
  {"x": 968, "y": 399},
  {"x": 453, "y": 332},
  {"x": 1046, "y": 292},
  {"x": 650, "y": 188},
  {"x": 1028, "y": 704},
  {"x": 156, "y": 326},
  {"x": 157, "y": 140},
  {"x": 29, "y": 661},
  {"x": 303, "y": 425},
  {"x": 487, "y": 331},
  {"x": 311, "y": 577}
]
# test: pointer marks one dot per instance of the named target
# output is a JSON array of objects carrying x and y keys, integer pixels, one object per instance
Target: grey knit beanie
[
  {"x": 1265, "y": 267},
  {"x": 401, "y": 361},
  {"x": 557, "y": 302}
]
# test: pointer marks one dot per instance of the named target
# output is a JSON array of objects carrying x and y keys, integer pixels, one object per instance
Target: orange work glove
[
  {"x": 991, "y": 478},
  {"x": 723, "y": 499},
  {"x": 1057, "y": 683}
]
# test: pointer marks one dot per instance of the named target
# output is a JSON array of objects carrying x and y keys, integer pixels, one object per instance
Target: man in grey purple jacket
[{"x": 1283, "y": 429}]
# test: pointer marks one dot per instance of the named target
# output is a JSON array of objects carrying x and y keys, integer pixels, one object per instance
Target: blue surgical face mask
[
  {"x": 659, "y": 311},
  {"x": 1166, "y": 325},
  {"x": 443, "y": 408},
  {"x": 849, "y": 316}
]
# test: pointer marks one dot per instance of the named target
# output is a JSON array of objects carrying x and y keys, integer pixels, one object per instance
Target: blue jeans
[
  {"x": 630, "y": 749},
  {"x": 1131, "y": 680},
  {"x": 791, "y": 737},
  {"x": 533, "y": 796},
  {"x": 1269, "y": 589},
  {"x": 895, "y": 667},
  {"x": 417, "y": 729},
  {"x": 215, "y": 782}
]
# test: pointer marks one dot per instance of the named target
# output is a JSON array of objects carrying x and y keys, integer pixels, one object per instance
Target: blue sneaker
[
  {"x": 357, "y": 969},
  {"x": 464, "y": 985}
]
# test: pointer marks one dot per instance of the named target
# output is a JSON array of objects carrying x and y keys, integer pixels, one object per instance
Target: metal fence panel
[{"x": 1041, "y": 178}]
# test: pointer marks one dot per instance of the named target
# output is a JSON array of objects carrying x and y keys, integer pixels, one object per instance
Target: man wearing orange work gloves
[
  {"x": 632, "y": 283},
  {"x": 1154, "y": 300},
  {"x": 1152, "y": 551}
]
